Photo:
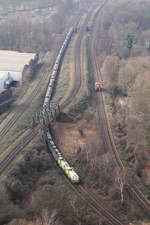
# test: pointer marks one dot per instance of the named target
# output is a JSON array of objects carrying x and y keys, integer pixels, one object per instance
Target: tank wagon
[
  {"x": 56, "y": 67},
  {"x": 63, "y": 164}
]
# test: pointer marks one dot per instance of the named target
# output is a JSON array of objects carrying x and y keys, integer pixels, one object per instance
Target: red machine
[{"x": 97, "y": 86}]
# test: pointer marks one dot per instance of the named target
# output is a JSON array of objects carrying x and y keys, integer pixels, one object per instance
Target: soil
[{"x": 73, "y": 136}]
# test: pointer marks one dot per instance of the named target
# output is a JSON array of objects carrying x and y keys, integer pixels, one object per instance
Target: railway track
[
  {"x": 91, "y": 200},
  {"x": 14, "y": 151},
  {"x": 18, "y": 113},
  {"x": 82, "y": 192},
  {"x": 21, "y": 108},
  {"x": 77, "y": 67},
  {"x": 93, "y": 203},
  {"x": 106, "y": 128},
  {"x": 25, "y": 140}
]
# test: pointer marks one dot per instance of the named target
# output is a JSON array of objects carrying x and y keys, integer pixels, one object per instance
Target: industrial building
[
  {"x": 11, "y": 66},
  {"x": 7, "y": 77}
]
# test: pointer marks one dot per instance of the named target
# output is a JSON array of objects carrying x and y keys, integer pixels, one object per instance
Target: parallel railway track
[
  {"x": 15, "y": 150},
  {"x": 21, "y": 108},
  {"x": 77, "y": 67},
  {"x": 94, "y": 203},
  {"x": 89, "y": 198},
  {"x": 82, "y": 192},
  {"x": 106, "y": 128},
  {"x": 11, "y": 155}
]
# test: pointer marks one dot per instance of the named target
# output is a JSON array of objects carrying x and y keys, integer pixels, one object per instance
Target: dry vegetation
[
  {"x": 34, "y": 189},
  {"x": 19, "y": 32},
  {"x": 126, "y": 74}
]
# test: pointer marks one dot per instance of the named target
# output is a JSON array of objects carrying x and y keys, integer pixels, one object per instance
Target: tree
[
  {"x": 47, "y": 218},
  {"x": 110, "y": 71},
  {"x": 121, "y": 180}
]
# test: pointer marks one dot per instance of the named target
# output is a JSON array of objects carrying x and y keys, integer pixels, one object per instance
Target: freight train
[
  {"x": 63, "y": 164},
  {"x": 56, "y": 68}
]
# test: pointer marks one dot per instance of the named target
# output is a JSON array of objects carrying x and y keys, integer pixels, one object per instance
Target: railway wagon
[
  {"x": 97, "y": 86},
  {"x": 55, "y": 72},
  {"x": 62, "y": 163}
]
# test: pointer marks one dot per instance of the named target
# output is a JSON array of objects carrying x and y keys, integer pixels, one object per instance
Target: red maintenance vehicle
[{"x": 97, "y": 86}]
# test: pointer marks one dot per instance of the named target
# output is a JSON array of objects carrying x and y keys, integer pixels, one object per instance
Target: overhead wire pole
[{"x": 48, "y": 114}]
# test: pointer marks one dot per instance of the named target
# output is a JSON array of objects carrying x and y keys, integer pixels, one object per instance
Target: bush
[
  {"x": 117, "y": 91},
  {"x": 82, "y": 105}
]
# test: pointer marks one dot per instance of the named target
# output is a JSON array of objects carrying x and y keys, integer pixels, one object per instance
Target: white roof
[
  {"x": 2, "y": 73},
  {"x": 14, "y": 61}
]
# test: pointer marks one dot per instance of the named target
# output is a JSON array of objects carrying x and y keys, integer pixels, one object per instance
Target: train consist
[
  {"x": 56, "y": 68},
  {"x": 69, "y": 171},
  {"x": 97, "y": 86}
]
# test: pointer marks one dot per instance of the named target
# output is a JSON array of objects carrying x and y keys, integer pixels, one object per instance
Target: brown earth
[{"x": 73, "y": 136}]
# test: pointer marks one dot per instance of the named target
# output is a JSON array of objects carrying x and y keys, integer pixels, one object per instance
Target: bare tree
[
  {"x": 121, "y": 179},
  {"x": 47, "y": 218}
]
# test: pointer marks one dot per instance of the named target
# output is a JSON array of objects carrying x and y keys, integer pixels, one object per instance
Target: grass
[
  {"x": 4, "y": 115},
  {"x": 82, "y": 99},
  {"x": 25, "y": 121},
  {"x": 22, "y": 124},
  {"x": 22, "y": 94},
  {"x": 82, "y": 104},
  {"x": 64, "y": 82}
]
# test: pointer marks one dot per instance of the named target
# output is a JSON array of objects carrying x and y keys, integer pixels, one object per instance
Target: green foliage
[
  {"x": 7, "y": 208},
  {"x": 117, "y": 91},
  {"x": 23, "y": 176},
  {"x": 82, "y": 105}
]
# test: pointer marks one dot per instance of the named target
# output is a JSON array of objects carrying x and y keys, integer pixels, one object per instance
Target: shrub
[{"x": 117, "y": 91}]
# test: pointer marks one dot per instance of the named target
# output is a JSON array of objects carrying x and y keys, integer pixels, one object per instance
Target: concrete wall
[
  {"x": 2, "y": 81},
  {"x": 17, "y": 76}
]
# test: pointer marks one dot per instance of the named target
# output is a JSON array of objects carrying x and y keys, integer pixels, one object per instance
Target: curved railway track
[
  {"x": 91, "y": 200},
  {"x": 97, "y": 206},
  {"x": 106, "y": 128},
  {"x": 94, "y": 203},
  {"x": 77, "y": 67},
  {"x": 11, "y": 155},
  {"x": 21, "y": 108},
  {"x": 82, "y": 192}
]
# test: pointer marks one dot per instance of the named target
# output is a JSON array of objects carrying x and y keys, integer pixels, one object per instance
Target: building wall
[
  {"x": 16, "y": 76},
  {"x": 2, "y": 80}
]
